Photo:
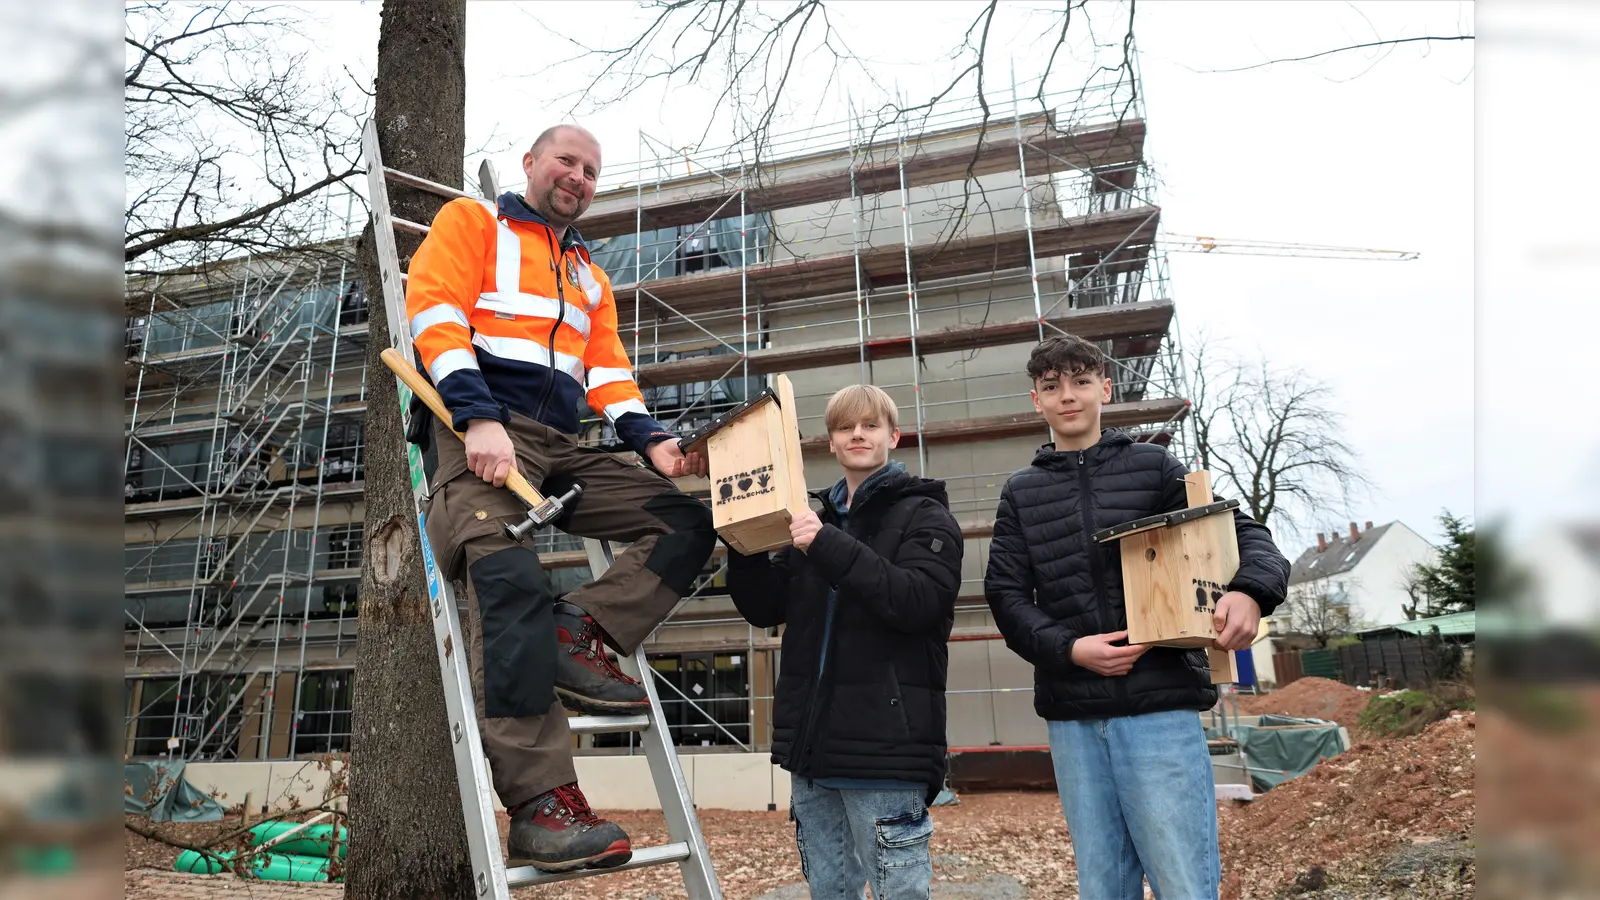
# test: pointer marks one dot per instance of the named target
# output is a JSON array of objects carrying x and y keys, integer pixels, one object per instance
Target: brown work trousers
[{"x": 510, "y": 598}]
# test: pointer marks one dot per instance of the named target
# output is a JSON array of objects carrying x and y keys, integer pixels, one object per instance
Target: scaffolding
[
  {"x": 244, "y": 401},
  {"x": 923, "y": 256}
]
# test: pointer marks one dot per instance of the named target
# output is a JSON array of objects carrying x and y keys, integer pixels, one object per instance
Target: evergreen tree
[{"x": 1449, "y": 584}]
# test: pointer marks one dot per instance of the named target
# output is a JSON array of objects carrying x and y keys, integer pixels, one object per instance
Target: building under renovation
[{"x": 926, "y": 258}]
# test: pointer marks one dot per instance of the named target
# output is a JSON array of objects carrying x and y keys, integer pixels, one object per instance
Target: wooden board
[
  {"x": 1225, "y": 540},
  {"x": 884, "y": 265},
  {"x": 933, "y": 157},
  {"x": 982, "y": 428},
  {"x": 1092, "y": 324}
]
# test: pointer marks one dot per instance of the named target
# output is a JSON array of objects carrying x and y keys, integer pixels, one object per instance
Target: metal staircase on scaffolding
[{"x": 264, "y": 408}]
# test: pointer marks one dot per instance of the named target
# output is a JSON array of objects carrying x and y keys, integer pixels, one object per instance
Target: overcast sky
[{"x": 1371, "y": 149}]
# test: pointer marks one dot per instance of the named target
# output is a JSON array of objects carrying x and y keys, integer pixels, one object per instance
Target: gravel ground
[{"x": 1388, "y": 818}]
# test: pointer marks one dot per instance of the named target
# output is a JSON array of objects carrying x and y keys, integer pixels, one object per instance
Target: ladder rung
[
  {"x": 433, "y": 187},
  {"x": 524, "y": 876},
  {"x": 607, "y": 724},
  {"x": 408, "y": 225}
]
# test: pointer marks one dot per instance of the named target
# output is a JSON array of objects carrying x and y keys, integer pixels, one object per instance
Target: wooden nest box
[
  {"x": 758, "y": 482},
  {"x": 1175, "y": 567}
]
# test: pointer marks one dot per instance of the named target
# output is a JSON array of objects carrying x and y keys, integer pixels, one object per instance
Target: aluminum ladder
[{"x": 492, "y": 879}]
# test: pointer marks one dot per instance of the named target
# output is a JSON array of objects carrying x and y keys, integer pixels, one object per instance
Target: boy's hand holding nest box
[
  {"x": 1236, "y": 620},
  {"x": 1098, "y": 654}
]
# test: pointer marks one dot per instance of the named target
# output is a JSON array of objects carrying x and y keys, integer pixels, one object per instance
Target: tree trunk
[{"x": 408, "y": 839}]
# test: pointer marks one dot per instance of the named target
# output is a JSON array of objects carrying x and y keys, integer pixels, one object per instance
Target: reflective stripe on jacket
[{"x": 504, "y": 319}]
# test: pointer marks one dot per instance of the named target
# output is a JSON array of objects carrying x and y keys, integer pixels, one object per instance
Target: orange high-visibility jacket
[{"x": 506, "y": 318}]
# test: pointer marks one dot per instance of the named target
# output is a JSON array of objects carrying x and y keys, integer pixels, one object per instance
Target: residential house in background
[{"x": 1365, "y": 570}]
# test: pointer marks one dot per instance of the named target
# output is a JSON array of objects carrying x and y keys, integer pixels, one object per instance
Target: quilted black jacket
[
  {"x": 878, "y": 711},
  {"x": 1048, "y": 583}
]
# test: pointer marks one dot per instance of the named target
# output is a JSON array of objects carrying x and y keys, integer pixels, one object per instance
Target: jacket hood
[
  {"x": 1112, "y": 440},
  {"x": 892, "y": 481},
  {"x": 512, "y": 206}
]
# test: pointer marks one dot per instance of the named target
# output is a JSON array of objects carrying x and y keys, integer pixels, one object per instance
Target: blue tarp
[
  {"x": 157, "y": 789},
  {"x": 1283, "y": 747}
]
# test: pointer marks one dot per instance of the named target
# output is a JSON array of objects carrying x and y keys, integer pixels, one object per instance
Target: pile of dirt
[
  {"x": 1311, "y": 698},
  {"x": 1366, "y": 802}
]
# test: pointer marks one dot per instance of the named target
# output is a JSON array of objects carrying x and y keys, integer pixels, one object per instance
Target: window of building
[
  {"x": 322, "y": 723},
  {"x": 712, "y": 689},
  {"x": 338, "y": 600},
  {"x": 353, "y": 304},
  {"x": 681, "y": 250},
  {"x": 136, "y": 327},
  {"x": 191, "y": 328},
  {"x": 153, "y": 710},
  {"x": 344, "y": 546},
  {"x": 201, "y": 710},
  {"x": 157, "y": 611},
  {"x": 343, "y": 455},
  {"x": 682, "y": 407}
]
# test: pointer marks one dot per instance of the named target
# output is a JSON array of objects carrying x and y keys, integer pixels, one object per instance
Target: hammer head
[
  {"x": 521, "y": 530},
  {"x": 542, "y": 515}
]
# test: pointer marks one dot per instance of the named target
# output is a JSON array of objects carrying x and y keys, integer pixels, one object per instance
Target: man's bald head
[{"x": 550, "y": 134}]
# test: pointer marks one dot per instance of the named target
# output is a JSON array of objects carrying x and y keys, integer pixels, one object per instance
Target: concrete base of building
[{"x": 741, "y": 781}]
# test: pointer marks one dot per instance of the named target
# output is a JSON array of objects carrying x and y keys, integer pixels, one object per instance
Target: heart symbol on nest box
[{"x": 744, "y": 484}]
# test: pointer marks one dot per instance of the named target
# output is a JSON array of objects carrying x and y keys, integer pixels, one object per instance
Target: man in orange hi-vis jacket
[{"x": 515, "y": 326}]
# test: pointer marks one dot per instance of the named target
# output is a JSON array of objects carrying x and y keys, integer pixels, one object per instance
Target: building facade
[{"x": 925, "y": 261}]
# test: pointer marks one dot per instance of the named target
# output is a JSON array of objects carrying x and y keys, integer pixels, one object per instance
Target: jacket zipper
[
  {"x": 802, "y": 738},
  {"x": 550, "y": 344},
  {"x": 1096, "y": 569},
  {"x": 1095, "y": 573}
]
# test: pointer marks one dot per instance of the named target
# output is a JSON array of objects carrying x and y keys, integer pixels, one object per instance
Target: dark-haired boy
[{"x": 1130, "y": 756}]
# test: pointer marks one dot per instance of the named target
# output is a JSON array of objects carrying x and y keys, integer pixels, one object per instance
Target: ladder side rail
[
  {"x": 472, "y": 772},
  {"x": 677, "y": 805}
]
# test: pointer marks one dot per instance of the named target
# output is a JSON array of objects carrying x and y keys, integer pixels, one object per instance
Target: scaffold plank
[
  {"x": 885, "y": 266},
  {"x": 1149, "y": 317},
  {"x": 1112, "y": 415},
  {"x": 934, "y": 157}
]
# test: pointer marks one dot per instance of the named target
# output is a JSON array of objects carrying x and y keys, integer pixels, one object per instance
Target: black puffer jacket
[
  {"x": 1048, "y": 583},
  {"x": 879, "y": 709}
]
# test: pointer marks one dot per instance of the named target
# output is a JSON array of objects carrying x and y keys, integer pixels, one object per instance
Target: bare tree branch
[
  {"x": 1370, "y": 44},
  {"x": 1274, "y": 435},
  {"x": 229, "y": 138},
  {"x": 1320, "y": 614}
]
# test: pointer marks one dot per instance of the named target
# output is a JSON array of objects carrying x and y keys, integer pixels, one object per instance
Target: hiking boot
[
  {"x": 558, "y": 832},
  {"x": 587, "y": 680}
]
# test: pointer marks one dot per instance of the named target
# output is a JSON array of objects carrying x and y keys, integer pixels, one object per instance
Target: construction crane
[{"x": 1191, "y": 243}]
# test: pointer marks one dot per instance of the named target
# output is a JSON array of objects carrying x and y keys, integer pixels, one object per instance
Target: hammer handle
[{"x": 408, "y": 373}]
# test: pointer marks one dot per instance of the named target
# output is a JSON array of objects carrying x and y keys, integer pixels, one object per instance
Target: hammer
[{"x": 542, "y": 510}]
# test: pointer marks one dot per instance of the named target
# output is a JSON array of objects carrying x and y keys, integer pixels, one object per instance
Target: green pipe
[
  {"x": 313, "y": 840},
  {"x": 265, "y": 866}
]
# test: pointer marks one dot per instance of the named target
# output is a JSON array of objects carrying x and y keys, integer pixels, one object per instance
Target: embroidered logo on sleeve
[{"x": 938, "y": 545}]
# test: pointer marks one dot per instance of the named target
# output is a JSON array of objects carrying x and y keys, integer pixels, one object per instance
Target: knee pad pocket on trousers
[
  {"x": 517, "y": 618},
  {"x": 680, "y": 554}
]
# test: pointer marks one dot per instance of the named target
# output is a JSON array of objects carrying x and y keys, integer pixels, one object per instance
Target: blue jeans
[
  {"x": 848, "y": 838},
  {"x": 1140, "y": 800}
]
